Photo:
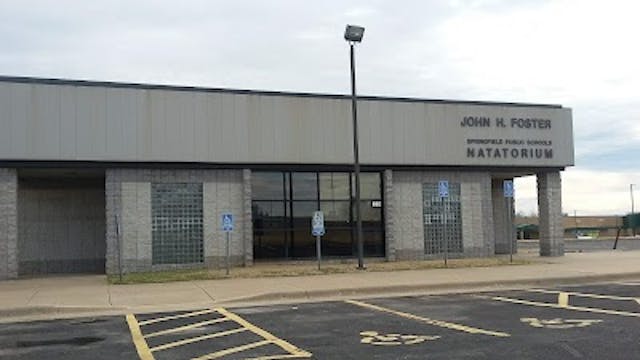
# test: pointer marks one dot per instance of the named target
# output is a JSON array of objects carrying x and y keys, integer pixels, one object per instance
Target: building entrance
[{"x": 283, "y": 203}]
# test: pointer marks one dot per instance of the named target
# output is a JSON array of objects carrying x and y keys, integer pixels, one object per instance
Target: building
[
  {"x": 102, "y": 177},
  {"x": 575, "y": 226}
]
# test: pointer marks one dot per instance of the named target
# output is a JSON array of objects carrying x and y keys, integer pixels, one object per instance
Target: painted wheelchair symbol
[
  {"x": 558, "y": 323},
  {"x": 375, "y": 338}
]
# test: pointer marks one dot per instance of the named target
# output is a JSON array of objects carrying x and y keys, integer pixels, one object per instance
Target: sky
[{"x": 581, "y": 54}]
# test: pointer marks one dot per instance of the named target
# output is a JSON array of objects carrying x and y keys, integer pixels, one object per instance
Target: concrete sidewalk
[{"x": 70, "y": 296}]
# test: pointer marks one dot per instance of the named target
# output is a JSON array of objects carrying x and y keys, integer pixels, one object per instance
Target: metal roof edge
[
  {"x": 269, "y": 166},
  {"x": 142, "y": 86}
]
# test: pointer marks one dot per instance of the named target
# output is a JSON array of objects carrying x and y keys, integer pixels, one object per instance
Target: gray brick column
[
  {"x": 387, "y": 200},
  {"x": 112, "y": 210},
  {"x": 247, "y": 217},
  {"x": 550, "y": 214},
  {"x": 503, "y": 231},
  {"x": 8, "y": 223},
  {"x": 405, "y": 208}
]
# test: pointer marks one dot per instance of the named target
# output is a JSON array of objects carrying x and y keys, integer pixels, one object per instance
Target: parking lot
[{"x": 571, "y": 322}]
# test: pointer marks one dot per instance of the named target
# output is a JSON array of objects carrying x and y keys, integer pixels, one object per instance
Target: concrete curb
[
  {"x": 36, "y": 313},
  {"x": 51, "y": 312},
  {"x": 423, "y": 288}
]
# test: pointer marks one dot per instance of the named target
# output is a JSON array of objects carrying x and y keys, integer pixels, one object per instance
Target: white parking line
[
  {"x": 174, "y": 317},
  {"x": 563, "y": 299},
  {"x": 197, "y": 339},
  {"x": 221, "y": 353},
  {"x": 440, "y": 323},
  {"x": 568, "y": 307},
  {"x": 186, "y": 327},
  {"x": 586, "y": 295}
]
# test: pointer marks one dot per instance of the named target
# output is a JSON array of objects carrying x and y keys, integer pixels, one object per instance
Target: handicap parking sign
[
  {"x": 507, "y": 186},
  {"x": 317, "y": 224},
  {"x": 443, "y": 188},
  {"x": 227, "y": 222}
]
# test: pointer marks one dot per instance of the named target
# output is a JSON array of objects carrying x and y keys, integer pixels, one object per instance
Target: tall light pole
[
  {"x": 353, "y": 34},
  {"x": 633, "y": 229},
  {"x": 631, "y": 193}
]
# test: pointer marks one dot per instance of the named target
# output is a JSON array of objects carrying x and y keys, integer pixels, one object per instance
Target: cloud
[
  {"x": 578, "y": 53},
  {"x": 587, "y": 192},
  {"x": 361, "y": 12},
  {"x": 546, "y": 50}
]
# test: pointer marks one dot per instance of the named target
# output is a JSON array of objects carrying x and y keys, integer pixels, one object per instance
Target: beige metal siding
[{"x": 75, "y": 122}]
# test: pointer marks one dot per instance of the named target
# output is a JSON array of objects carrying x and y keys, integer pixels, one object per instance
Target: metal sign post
[
  {"x": 317, "y": 230},
  {"x": 227, "y": 227},
  {"x": 443, "y": 191},
  {"x": 507, "y": 186},
  {"x": 119, "y": 248}
]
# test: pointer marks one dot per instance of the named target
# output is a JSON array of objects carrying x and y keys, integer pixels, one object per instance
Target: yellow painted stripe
[
  {"x": 440, "y": 323},
  {"x": 196, "y": 339},
  {"x": 563, "y": 299},
  {"x": 263, "y": 333},
  {"x": 174, "y": 317},
  {"x": 138, "y": 340},
  {"x": 276, "y": 357},
  {"x": 586, "y": 295},
  {"x": 233, "y": 350},
  {"x": 185, "y": 327},
  {"x": 568, "y": 307}
]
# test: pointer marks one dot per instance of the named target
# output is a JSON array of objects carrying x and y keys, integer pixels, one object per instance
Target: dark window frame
[{"x": 289, "y": 202}]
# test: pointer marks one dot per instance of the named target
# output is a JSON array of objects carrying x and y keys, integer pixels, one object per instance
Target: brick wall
[
  {"x": 550, "y": 213},
  {"x": 389, "y": 213},
  {"x": 8, "y": 223},
  {"x": 61, "y": 226},
  {"x": 404, "y": 208},
  {"x": 502, "y": 233},
  {"x": 128, "y": 193}
]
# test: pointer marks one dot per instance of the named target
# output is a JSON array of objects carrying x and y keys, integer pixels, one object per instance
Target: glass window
[
  {"x": 373, "y": 243},
  {"x": 334, "y": 186},
  {"x": 302, "y": 213},
  {"x": 336, "y": 213},
  {"x": 303, "y": 244},
  {"x": 176, "y": 223},
  {"x": 370, "y": 213},
  {"x": 369, "y": 185},
  {"x": 337, "y": 243},
  {"x": 442, "y": 219},
  {"x": 269, "y": 215},
  {"x": 282, "y": 223},
  {"x": 304, "y": 185},
  {"x": 270, "y": 244},
  {"x": 267, "y": 186}
]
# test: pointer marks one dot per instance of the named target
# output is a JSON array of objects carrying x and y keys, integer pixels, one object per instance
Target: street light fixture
[{"x": 353, "y": 34}]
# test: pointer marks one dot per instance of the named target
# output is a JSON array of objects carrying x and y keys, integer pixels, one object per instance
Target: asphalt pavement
[
  {"x": 74, "y": 339},
  {"x": 587, "y": 245},
  {"x": 596, "y": 321},
  {"x": 76, "y": 296}
]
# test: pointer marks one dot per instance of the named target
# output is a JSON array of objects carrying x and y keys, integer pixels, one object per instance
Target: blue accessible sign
[
  {"x": 227, "y": 222},
  {"x": 443, "y": 188},
  {"x": 507, "y": 186},
  {"x": 317, "y": 224}
]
